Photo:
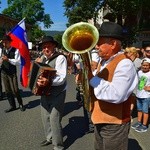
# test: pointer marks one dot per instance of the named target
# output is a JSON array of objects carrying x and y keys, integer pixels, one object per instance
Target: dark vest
[
  {"x": 56, "y": 90},
  {"x": 7, "y": 67}
]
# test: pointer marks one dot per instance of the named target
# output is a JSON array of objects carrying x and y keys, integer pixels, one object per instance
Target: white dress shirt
[
  {"x": 122, "y": 85},
  {"x": 61, "y": 67},
  {"x": 61, "y": 71},
  {"x": 16, "y": 60},
  {"x": 94, "y": 55}
]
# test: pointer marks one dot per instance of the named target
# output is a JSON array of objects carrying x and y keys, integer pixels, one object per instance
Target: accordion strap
[
  {"x": 53, "y": 57},
  {"x": 56, "y": 54}
]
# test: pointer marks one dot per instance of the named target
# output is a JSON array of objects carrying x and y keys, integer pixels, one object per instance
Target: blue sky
[{"x": 55, "y": 9}]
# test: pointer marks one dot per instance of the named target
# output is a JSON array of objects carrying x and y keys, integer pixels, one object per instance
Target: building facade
[{"x": 7, "y": 23}]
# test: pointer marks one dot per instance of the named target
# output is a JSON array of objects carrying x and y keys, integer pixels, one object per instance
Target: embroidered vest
[{"x": 104, "y": 112}]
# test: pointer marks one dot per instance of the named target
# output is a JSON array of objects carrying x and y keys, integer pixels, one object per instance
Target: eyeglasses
[{"x": 147, "y": 51}]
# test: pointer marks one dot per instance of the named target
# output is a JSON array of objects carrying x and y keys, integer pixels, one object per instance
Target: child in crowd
[{"x": 143, "y": 96}]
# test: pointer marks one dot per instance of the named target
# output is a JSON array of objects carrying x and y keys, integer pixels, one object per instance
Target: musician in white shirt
[
  {"x": 113, "y": 85},
  {"x": 52, "y": 105},
  {"x": 10, "y": 59}
]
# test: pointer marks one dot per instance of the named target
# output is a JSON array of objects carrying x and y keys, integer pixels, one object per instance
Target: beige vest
[{"x": 104, "y": 112}]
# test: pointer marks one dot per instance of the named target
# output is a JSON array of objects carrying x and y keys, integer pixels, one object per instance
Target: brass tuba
[{"x": 80, "y": 38}]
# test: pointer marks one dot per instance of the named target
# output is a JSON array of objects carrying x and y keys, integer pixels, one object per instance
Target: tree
[
  {"x": 132, "y": 15},
  {"x": 33, "y": 11},
  {"x": 0, "y": 3},
  {"x": 58, "y": 38},
  {"x": 79, "y": 10}
]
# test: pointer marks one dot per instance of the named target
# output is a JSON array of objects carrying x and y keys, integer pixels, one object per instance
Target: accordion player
[{"x": 44, "y": 70}]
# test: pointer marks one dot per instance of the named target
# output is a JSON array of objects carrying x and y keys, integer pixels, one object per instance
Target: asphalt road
[{"x": 24, "y": 130}]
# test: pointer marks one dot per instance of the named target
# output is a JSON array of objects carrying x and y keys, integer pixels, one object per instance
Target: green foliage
[
  {"x": 32, "y": 10},
  {"x": 79, "y": 10},
  {"x": 131, "y": 14},
  {"x": 123, "y": 7},
  {"x": 58, "y": 38},
  {"x": 36, "y": 33}
]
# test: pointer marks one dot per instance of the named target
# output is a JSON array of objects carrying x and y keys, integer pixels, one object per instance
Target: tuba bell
[{"x": 80, "y": 38}]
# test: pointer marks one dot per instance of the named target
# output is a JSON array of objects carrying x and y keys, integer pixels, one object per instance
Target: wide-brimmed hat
[
  {"x": 6, "y": 38},
  {"x": 112, "y": 30},
  {"x": 46, "y": 39}
]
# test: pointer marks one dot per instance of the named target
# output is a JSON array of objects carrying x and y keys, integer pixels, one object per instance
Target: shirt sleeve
[
  {"x": 16, "y": 60},
  {"x": 61, "y": 68},
  {"x": 95, "y": 57},
  {"x": 0, "y": 52},
  {"x": 122, "y": 85}
]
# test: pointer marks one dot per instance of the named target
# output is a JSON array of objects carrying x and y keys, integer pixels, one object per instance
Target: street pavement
[{"x": 24, "y": 130}]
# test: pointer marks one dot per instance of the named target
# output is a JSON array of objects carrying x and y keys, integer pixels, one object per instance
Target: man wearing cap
[
  {"x": 52, "y": 105},
  {"x": 112, "y": 86},
  {"x": 10, "y": 59}
]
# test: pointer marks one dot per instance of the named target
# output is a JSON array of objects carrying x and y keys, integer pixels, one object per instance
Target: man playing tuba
[{"x": 112, "y": 86}]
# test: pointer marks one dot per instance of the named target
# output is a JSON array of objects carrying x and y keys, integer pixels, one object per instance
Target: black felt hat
[
  {"x": 6, "y": 38},
  {"x": 46, "y": 39},
  {"x": 112, "y": 30}
]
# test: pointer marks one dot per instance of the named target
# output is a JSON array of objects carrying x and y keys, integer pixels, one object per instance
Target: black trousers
[
  {"x": 1, "y": 90},
  {"x": 11, "y": 89}
]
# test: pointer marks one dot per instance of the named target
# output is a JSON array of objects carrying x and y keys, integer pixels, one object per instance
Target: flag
[{"x": 19, "y": 41}]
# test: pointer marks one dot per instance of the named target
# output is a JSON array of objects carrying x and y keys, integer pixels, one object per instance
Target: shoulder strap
[
  {"x": 53, "y": 57},
  {"x": 56, "y": 54}
]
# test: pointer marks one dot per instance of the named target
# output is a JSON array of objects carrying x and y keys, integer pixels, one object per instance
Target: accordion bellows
[{"x": 40, "y": 69}]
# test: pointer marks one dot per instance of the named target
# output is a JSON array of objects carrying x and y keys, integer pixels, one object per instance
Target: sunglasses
[{"x": 147, "y": 51}]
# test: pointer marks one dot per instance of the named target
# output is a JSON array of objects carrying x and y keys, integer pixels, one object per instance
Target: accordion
[{"x": 44, "y": 70}]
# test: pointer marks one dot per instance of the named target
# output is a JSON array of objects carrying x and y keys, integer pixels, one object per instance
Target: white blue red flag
[{"x": 19, "y": 41}]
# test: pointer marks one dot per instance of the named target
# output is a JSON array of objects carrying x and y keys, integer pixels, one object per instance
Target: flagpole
[{"x": 21, "y": 20}]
